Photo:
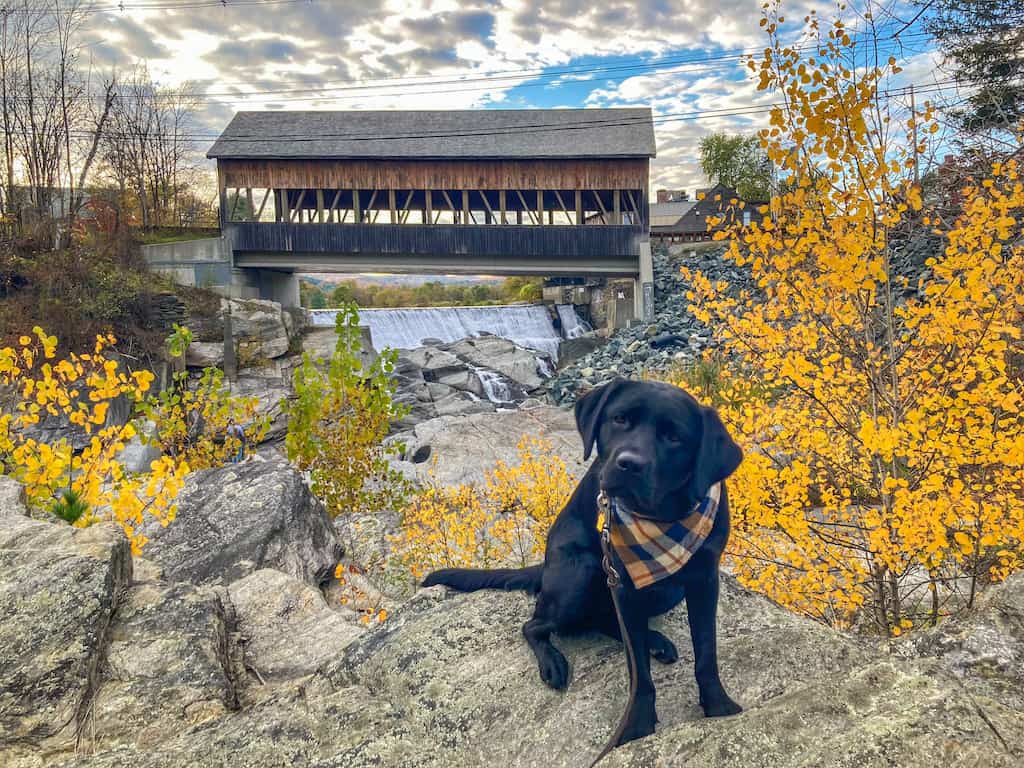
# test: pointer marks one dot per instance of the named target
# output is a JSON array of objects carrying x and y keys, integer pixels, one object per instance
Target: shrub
[
  {"x": 338, "y": 420},
  {"x": 192, "y": 416},
  {"x": 77, "y": 293},
  {"x": 70, "y": 507},
  {"x": 883, "y": 426},
  {"x": 503, "y": 522},
  {"x": 89, "y": 484}
]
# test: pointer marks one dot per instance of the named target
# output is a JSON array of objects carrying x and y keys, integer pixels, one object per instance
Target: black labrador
[{"x": 658, "y": 453}]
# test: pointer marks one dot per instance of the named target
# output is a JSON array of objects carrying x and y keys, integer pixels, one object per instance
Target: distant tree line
[{"x": 429, "y": 294}]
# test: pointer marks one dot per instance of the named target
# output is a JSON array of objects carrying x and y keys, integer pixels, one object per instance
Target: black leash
[{"x": 604, "y": 504}]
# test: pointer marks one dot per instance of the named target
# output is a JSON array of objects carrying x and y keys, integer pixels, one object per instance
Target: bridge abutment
[{"x": 208, "y": 263}]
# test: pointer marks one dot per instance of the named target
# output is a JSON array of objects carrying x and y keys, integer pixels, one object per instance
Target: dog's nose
[{"x": 630, "y": 462}]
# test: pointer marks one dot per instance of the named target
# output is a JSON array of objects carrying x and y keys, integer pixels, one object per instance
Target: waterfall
[
  {"x": 528, "y": 325},
  {"x": 495, "y": 386},
  {"x": 573, "y": 326}
]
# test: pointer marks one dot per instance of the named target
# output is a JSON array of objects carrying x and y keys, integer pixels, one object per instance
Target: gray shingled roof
[
  {"x": 456, "y": 134},
  {"x": 667, "y": 214}
]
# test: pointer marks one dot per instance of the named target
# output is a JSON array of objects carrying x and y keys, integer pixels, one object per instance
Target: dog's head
[{"x": 660, "y": 451}]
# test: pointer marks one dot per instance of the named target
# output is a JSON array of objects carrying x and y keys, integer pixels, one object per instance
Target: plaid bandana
[{"x": 653, "y": 550}]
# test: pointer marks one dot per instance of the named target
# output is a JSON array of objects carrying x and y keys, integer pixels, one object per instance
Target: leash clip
[{"x": 604, "y": 504}]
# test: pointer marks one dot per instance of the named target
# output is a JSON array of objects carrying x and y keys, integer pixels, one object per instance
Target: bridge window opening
[
  {"x": 419, "y": 207},
  {"x": 249, "y": 204}
]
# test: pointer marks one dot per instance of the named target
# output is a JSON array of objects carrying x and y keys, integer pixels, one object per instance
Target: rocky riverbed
[{"x": 674, "y": 338}]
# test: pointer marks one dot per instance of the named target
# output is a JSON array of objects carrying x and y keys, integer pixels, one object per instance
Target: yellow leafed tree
[
  {"x": 80, "y": 388},
  {"x": 883, "y": 422},
  {"x": 504, "y": 522}
]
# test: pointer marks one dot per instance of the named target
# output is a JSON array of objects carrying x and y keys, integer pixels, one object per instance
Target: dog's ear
[
  {"x": 718, "y": 457},
  {"x": 588, "y": 413}
]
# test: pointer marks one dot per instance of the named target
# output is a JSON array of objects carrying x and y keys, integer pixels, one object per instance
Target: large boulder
[
  {"x": 12, "y": 497},
  {"x": 59, "y": 588},
  {"x": 320, "y": 343},
  {"x": 475, "y": 375},
  {"x": 286, "y": 627},
  {"x": 463, "y": 380},
  {"x": 434, "y": 361},
  {"x": 142, "y": 450},
  {"x": 985, "y": 647},
  {"x": 497, "y": 354},
  {"x": 460, "y": 449},
  {"x": 427, "y": 398},
  {"x": 242, "y": 517},
  {"x": 270, "y": 391},
  {"x": 167, "y": 666},
  {"x": 449, "y": 401},
  {"x": 204, "y": 354},
  {"x": 260, "y": 328},
  {"x": 449, "y": 680},
  {"x": 442, "y": 367}
]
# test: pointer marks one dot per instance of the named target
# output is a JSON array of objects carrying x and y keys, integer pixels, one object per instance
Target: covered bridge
[{"x": 542, "y": 192}]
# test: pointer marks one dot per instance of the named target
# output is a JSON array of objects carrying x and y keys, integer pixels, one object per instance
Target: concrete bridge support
[
  {"x": 643, "y": 288},
  {"x": 279, "y": 286},
  {"x": 208, "y": 263}
]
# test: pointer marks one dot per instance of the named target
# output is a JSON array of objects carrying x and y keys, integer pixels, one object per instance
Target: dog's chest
[{"x": 660, "y": 597}]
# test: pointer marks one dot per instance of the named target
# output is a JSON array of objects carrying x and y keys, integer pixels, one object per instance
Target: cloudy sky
[{"x": 683, "y": 58}]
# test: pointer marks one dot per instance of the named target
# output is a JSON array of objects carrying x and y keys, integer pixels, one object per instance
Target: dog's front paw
[
  {"x": 554, "y": 669},
  {"x": 720, "y": 706},
  {"x": 662, "y": 649},
  {"x": 641, "y": 720},
  {"x": 636, "y": 729}
]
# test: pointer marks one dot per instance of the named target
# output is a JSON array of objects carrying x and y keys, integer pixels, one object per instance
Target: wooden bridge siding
[
  {"x": 435, "y": 174},
  {"x": 509, "y": 241}
]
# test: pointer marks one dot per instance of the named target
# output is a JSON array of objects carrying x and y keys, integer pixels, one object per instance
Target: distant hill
[{"x": 333, "y": 278}]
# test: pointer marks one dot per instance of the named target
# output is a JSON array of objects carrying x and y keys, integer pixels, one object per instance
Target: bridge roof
[{"x": 482, "y": 134}]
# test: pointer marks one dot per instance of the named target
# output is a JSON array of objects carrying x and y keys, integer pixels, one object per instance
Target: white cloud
[{"x": 403, "y": 48}]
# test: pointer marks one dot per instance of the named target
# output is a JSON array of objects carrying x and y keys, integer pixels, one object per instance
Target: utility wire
[
  {"x": 715, "y": 62},
  {"x": 90, "y": 9},
  {"x": 667, "y": 66},
  {"x": 536, "y": 128},
  {"x": 724, "y": 62}
]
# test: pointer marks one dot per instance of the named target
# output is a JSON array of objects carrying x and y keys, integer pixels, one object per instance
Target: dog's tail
[{"x": 471, "y": 579}]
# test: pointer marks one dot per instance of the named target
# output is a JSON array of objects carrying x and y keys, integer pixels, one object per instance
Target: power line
[
  {"x": 695, "y": 65},
  {"x": 734, "y": 56},
  {"x": 88, "y": 10},
  {"x": 487, "y": 84},
  {"x": 535, "y": 128},
  {"x": 669, "y": 66},
  {"x": 721, "y": 62}
]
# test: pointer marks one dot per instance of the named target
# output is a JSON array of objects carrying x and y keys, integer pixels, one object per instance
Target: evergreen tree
[{"x": 983, "y": 45}]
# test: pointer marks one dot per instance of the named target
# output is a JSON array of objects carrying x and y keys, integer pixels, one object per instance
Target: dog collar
[{"x": 652, "y": 550}]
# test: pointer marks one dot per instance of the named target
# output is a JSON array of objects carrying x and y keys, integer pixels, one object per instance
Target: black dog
[{"x": 658, "y": 454}]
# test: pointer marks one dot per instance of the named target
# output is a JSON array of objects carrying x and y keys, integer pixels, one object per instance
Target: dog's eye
[
  {"x": 620, "y": 420},
  {"x": 671, "y": 437}
]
